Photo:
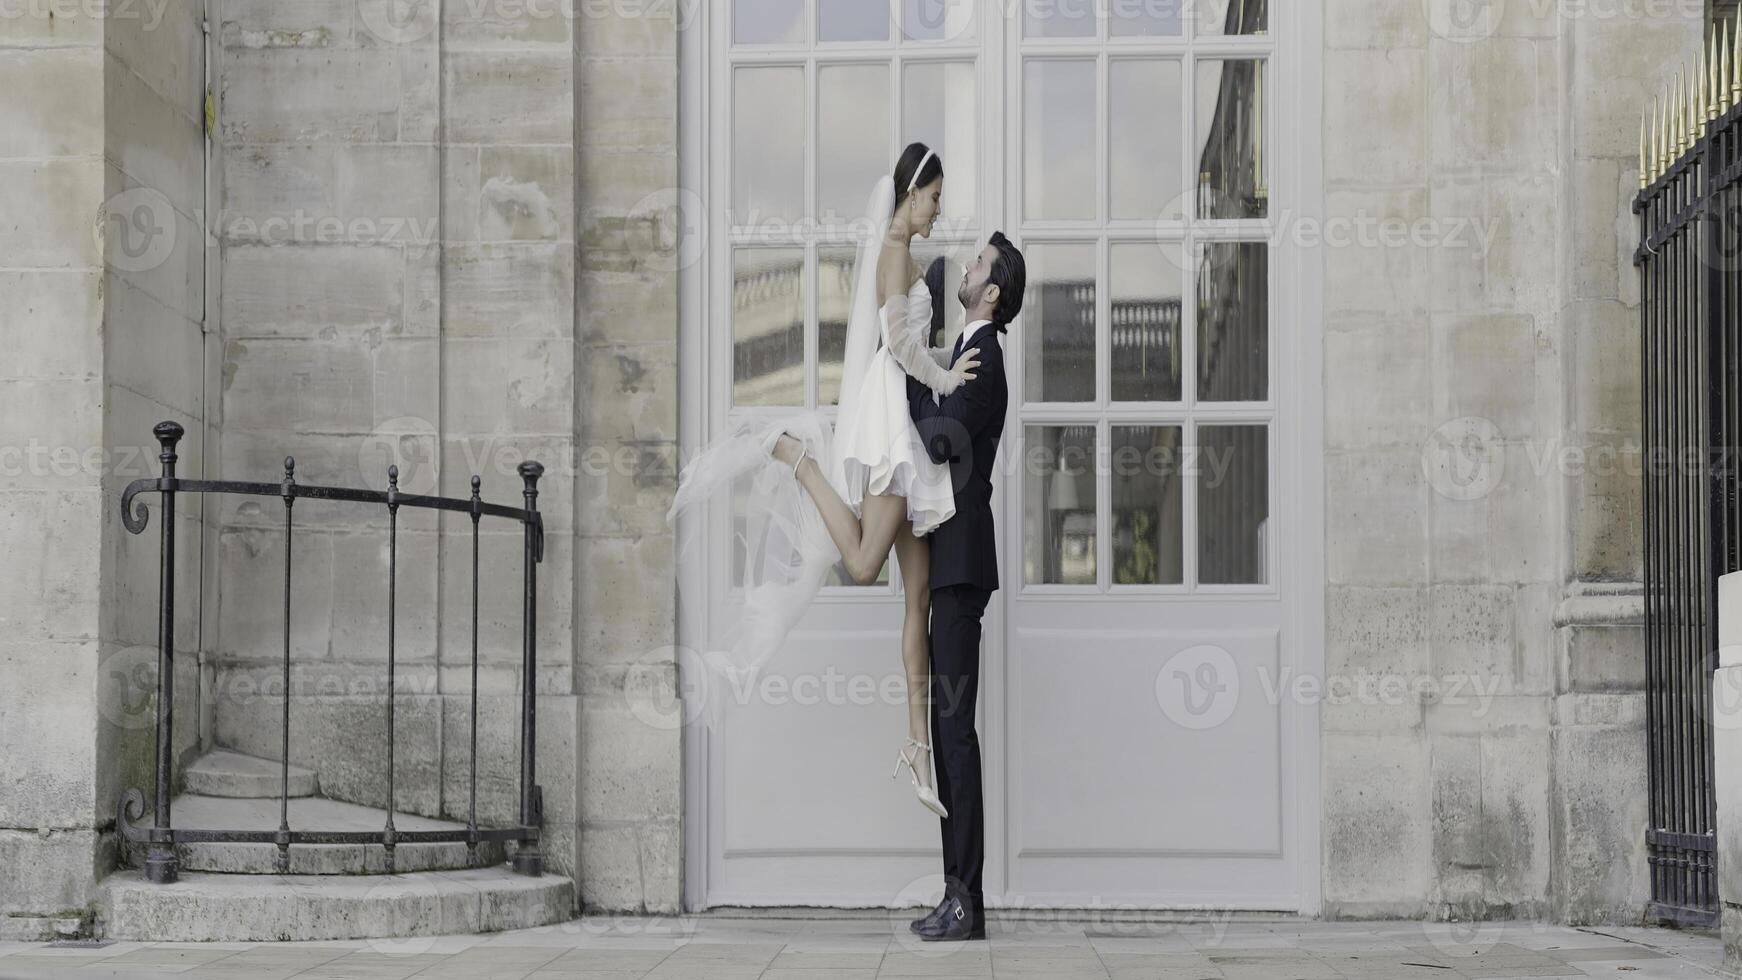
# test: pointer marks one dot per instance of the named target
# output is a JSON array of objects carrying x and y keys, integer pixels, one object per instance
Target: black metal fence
[
  {"x": 1690, "y": 289},
  {"x": 161, "y": 837}
]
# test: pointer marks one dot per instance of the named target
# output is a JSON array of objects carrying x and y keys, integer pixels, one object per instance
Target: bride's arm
[{"x": 927, "y": 365}]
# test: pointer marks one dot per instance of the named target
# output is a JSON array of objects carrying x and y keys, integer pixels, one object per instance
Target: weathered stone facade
[{"x": 440, "y": 240}]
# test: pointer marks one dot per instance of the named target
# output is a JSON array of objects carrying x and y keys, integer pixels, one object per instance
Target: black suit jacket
[{"x": 963, "y": 430}]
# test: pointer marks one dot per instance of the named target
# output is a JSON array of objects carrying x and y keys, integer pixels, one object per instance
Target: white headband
[{"x": 916, "y": 170}]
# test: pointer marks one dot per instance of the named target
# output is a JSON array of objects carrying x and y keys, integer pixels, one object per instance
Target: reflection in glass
[
  {"x": 1058, "y": 316},
  {"x": 768, "y": 135},
  {"x": 1058, "y": 155},
  {"x": 1233, "y": 16},
  {"x": 852, "y": 20},
  {"x": 1145, "y": 109},
  {"x": 852, "y": 138},
  {"x": 768, "y": 326},
  {"x": 1147, "y": 299},
  {"x": 1233, "y": 504},
  {"x": 1234, "y": 322},
  {"x": 937, "y": 20},
  {"x": 1150, "y": 18},
  {"x": 1058, "y": 535},
  {"x": 1148, "y": 505},
  {"x": 1058, "y": 18},
  {"x": 1232, "y": 178},
  {"x": 768, "y": 21},
  {"x": 834, "y": 300},
  {"x": 938, "y": 109}
]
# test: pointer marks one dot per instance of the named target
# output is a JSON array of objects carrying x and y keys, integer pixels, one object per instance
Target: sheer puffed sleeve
[{"x": 905, "y": 339}]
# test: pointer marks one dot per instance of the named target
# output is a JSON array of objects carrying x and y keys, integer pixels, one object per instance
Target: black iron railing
[
  {"x": 1690, "y": 275},
  {"x": 161, "y": 837}
]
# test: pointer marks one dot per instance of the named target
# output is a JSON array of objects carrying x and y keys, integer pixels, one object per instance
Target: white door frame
[{"x": 1296, "y": 126}]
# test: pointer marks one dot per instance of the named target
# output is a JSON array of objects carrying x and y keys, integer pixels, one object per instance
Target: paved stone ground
[{"x": 866, "y": 946}]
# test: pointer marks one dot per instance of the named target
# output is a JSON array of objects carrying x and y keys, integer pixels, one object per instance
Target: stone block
[
  {"x": 1378, "y": 848},
  {"x": 278, "y": 95},
  {"x": 1378, "y": 386},
  {"x": 266, "y": 291},
  {"x": 1374, "y": 101},
  {"x": 60, "y": 202},
  {"x": 1376, "y": 526},
  {"x": 522, "y": 291},
  {"x": 506, "y": 97},
  {"x": 56, "y": 108},
  {"x": 47, "y": 324},
  {"x": 627, "y": 597},
  {"x": 522, "y": 385},
  {"x": 630, "y": 394}
]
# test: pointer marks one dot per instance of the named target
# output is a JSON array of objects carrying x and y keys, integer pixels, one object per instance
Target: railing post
[
  {"x": 160, "y": 861},
  {"x": 528, "y": 858}
]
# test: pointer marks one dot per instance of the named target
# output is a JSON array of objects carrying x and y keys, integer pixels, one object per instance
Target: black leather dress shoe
[
  {"x": 956, "y": 923},
  {"x": 919, "y": 923}
]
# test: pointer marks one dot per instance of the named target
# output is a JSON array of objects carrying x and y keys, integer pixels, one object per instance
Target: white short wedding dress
[
  {"x": 734, "y": 494},
  {"x": 880, "y": 450}
]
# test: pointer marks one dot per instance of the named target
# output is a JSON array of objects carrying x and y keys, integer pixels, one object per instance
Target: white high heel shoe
[{"x": 926, "y": 794}]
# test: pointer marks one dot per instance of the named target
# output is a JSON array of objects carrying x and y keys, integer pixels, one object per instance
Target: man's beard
[{"x": 969, "y": 296}]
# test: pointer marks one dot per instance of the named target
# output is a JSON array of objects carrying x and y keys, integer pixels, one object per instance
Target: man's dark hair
[{"x": 1010, "y": 274}]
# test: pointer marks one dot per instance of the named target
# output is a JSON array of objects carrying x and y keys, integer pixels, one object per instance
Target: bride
[{"x": 881, "y": 489}]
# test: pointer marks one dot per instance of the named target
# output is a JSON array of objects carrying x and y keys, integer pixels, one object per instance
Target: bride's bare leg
[
  {"x": 914, "y": 556},
  {"x": 864, "y": 543}
]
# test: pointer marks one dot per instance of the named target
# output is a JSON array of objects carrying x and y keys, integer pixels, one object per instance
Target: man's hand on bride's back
[{"x": 965, "y": 365}]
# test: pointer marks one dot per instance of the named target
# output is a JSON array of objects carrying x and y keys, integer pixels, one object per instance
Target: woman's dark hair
[
  {"x": 1010, "y": 274},
  {"x": 934, "y": 283},
  {"x": 908, "y": 162}
]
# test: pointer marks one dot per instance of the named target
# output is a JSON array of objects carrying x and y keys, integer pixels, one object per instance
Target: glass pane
[
  {"x": 1149, "y": 18},
  {"x": 1058, "y": 158},
  {"x": 768, "y": 326},
  {"x": 1234, "y": 322},
  {"x": 1148, "y": 505},
  {"x": 838, "y": 576},
  {"x": 768, "y": 21},
  {"x": 1058, "y": 317},
  {"x": 1148, "y": 292},
  {"x": 1233, "y": 504},
  {"x": 937, "y": 20},
  {"x": 834, "y": 300},
  {"x": 1145, "y": 119},
  {"x": 1058, "y": 18},
  {"x": 1233, "y": 16},
  {"x": 942, "y": 269},
  {"x": 852, "y": 20},
  {"x": 1232, "y": 181},
  {"x": 939, "y": 109},
  {"x": 768, "y": 136},
  {"x": 1058, "y": 534},
  {"x": 852, "y": 139}
]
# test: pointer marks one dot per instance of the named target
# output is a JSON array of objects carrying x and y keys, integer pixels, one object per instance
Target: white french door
[{"x": 1158, "y": 493}]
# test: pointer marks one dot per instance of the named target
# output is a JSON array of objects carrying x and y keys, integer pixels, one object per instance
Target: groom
[{"x": 963, "y": 430}]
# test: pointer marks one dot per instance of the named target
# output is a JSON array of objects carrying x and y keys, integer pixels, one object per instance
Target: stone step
[
  {"x": 313, "y": 813},
  {"x": 287, "y": 908},
  {"x": 225, "y": 773}
]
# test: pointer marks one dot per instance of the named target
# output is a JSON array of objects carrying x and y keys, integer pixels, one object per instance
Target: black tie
[{"x": 960, "y": 340}]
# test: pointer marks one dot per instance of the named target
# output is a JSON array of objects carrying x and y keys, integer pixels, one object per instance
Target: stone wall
[
  {"x": 101, "y": 311},
  {"x": 482, "y": 297},
  {"x": 1463, "y": 547}
]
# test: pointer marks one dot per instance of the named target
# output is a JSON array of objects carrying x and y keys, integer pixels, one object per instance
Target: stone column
[{"x": 1727, "y": 766}]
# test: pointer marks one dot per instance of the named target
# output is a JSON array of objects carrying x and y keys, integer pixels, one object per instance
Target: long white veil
[{"x": 778, "y": 534}]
